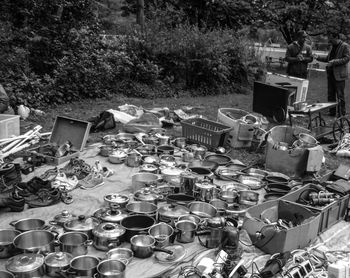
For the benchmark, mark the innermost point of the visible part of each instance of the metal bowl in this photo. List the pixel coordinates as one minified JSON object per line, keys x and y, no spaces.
{"x":252,"y":183}
{"x":123,"y":254}
{"x":203,"y":210}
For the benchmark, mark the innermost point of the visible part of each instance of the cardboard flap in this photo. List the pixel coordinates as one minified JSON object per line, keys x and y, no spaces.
{"x":68,"y":129}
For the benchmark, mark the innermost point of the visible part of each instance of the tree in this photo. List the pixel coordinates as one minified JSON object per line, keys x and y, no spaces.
{"x":314,"y":16}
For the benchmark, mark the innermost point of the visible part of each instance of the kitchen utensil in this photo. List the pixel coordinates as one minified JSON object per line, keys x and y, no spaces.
{"x":111,"y":269}
{"x":203,"y":210}
{"x":82,"y":224}
{"x":108,"y":235}
{"x":143,"y":246}
{"x":26,"y":265}
{"x":185,"y":231}
{"x":162,"y":233}
{"x":123,"y":254}
{"x":7,"y":249}
{"x":142,"y":207}
{"x":75,"y":243}
{"x":136,"y":224}
{"x":36,"y":241}
{"x":57,"y":262}
{"x":28,"y":224}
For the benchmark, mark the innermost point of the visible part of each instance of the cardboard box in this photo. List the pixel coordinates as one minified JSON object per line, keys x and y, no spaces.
{"x":66,"y":129}
{"x":272,"y":240}
{"x":291,"y":162}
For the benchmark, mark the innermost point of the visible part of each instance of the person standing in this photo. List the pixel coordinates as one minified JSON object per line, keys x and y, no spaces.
{"x":337,"y":71}
{"x":298,"y":55}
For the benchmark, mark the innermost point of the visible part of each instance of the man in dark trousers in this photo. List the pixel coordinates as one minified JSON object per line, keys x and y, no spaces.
{"x":337,"y":71}
{"x":298,"y":55}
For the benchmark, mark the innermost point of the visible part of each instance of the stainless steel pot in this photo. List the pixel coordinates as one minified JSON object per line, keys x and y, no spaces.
{"x":165,"y":149}
{"x":149,"y":168}
{"x":110,"y":215}
{"x":147,"y":149}
{"x":143,"y":246}
{"x":26,"y":265}
{"x":229,"y":196}
{"x":169,"y":213}
{"x":116,"y":200}
{"x":107,"y":236}
{"x":141,"y":180}
{"x":144,"y":208}
{"x":171,"y":175}
{"x":75,"y":243}
{"x":162,"y":233}
{"x":185,"y":231}
{"x":220,"y":205}
{"x":117,"y":157}
{"x":203,"y":210}
{"x":133,"y":159}
{"x":7,"y":249}
{"x":180,"y":199}
{"x":56,"y":263}
{"x":201,"y":173}
{"x":28,"y":224}
{"x":137,"y":224}
{"x":205,"y":191}
{"x":167,"y":160}
{"x":148,"y":194}
{"x":82,"y":224}
{"x":62,"y":218}
{"x":180,"y":142}
{"x":123,"y":254}
{"x":36,"y":241}
{"x":111,"y":269}
{"x":85,"y":265}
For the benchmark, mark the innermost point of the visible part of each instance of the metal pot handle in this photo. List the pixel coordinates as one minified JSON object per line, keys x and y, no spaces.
{"x":14,"y":222}
{"x":113,"y":243}
{"x":157,"y":249}
{"x":88,"y":242}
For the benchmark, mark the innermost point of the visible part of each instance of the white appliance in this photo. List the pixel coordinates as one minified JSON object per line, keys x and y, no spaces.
{"x":301,"y":85}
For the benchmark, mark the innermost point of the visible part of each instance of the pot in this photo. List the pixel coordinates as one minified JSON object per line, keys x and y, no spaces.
{"x":82,"y":224}
{"x":62,"y":218}
{"x":5,"y":274}
{"x":162,"y":233}
{"x":236,"y":211}
{"x":133,"y":159}
{"x":203,"y":210}
{"x":252,"y":183}
{"x":180,"y":199}
{"x":107,"y":236}
{"x":147,"y":194}
{"x":210,"y":165}
{"x":163,"y":139}
{"x":190,"y":217}
{"x":26,"y":265}
{"x":187,"y":182}
{"x":187,"y":156}
{"x":172,"y":175}
{"x":7,"y":249}
{"x":185,"y":231}
{"x":117,"y":157}
{"x":167,"y":160}
{"x":123,"y":254}
{"x":149,"y":168}
{"x":229,"y":196}
{"x":28,"y":224}
{"x":147,"y":149}
{"x":165,"y":149}
{"x":106,"y":150}
{"x":248,"y":197}
{"x":202,"y":173}
{"x":198,"y":151}
{"x":136,"y":224}
{"x":220,"y":205}
{"x":85,"y":265}
{"x":141,"y":180}
{"x":205,"y":191}
{"x":116,"y":200}
{"x":169,"y":213}
{"x":143,"y":208}
{"x":110,"y":215}
{"x":180,"y":142}
{"x":57,"y":262}
{"x":111,"y":269}
{"x":36,"y":241}
{"x":307,"y":140}
{"x":143,"y":246}
{"x":220,"y":159}
{"x":227,"y":174}
{"x":75,"y":243}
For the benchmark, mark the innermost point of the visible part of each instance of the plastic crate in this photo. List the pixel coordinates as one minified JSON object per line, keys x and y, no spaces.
{"x":205,"y":132}
{"x":9,"y":126}
{"x":330,"y":214}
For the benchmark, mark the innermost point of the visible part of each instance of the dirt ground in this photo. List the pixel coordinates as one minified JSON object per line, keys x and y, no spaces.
{"x":207,"y":106}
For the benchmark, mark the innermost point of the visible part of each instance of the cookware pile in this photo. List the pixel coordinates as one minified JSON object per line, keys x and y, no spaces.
{"x":181,"y":193}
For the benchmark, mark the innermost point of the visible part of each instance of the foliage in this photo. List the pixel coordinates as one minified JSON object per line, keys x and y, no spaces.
{"x":202,"y":13}
{"x":315,"y":16}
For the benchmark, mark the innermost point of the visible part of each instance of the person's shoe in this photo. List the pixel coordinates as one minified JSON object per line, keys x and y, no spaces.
{"x":93,"y":180}
{"x":33,"y":186}
{"x":45,"y":198}
{"x":12,"y":202}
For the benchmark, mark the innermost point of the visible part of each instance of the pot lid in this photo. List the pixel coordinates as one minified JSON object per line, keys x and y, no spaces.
{"x":81,"y":223}
{"x":116,"y":198}
{"x":109,"y":230}
{"x":204,"y":185}
{"x":147,"y":194}
{"x":110,"y":215}
{"x":171,"y":211}
{"x":63,"y":217}
{"x":179,"y":253}
{"x":58,"y":259}
{"x":118,"y":154}
{"x":24,"y":262}
{"x":171,"y":171}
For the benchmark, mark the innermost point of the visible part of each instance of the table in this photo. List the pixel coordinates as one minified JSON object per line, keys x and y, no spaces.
{"x":88,"y":201}
{"x":316,"y":125}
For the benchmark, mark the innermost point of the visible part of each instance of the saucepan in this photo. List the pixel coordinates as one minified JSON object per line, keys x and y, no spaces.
{"x":110,"y":269}
{"x":28,"y":224}
{"x":143,"y":246}
{"x":7,"y":249}
{"x":122,"y":254}
{"x":85,"y":265}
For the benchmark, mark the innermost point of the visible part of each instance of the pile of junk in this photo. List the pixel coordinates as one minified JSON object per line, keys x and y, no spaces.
{"x":185,"y":191}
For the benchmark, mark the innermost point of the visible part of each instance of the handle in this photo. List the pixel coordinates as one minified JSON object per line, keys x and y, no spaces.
{"x":113,"y":243}
{"x":89,"y":242}
{"x":203,"y":232}
{"x":157,"y":249}
{"x":14,"y":222}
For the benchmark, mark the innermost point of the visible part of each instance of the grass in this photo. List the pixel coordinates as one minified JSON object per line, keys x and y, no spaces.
{"x":208,"y":106}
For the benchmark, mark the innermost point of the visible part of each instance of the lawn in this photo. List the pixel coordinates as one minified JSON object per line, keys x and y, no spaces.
{"x":208,"y":106}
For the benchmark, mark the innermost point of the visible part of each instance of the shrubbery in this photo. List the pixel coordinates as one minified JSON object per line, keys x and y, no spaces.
{"x":85,"y":64}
